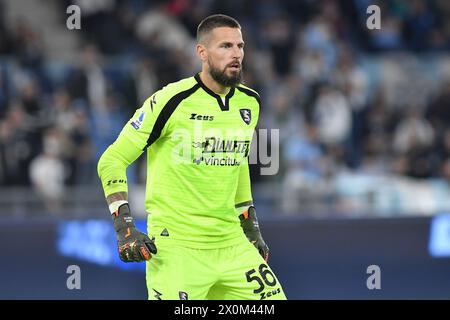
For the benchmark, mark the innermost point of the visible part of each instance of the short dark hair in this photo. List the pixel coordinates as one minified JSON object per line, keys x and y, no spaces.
{"x":215,"y":21}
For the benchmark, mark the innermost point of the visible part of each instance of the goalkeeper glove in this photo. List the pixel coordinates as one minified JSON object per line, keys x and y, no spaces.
{"x":249,"y":224}
{"x":133,"y":245}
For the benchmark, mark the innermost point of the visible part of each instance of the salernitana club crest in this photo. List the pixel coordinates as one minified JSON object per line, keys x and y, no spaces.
{"x":246,"y":115}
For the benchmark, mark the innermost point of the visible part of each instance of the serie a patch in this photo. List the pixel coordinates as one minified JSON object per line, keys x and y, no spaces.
{"x":137,"y":123}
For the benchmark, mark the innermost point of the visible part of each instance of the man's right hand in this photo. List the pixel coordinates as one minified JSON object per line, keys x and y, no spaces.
{"x":133,"y":245}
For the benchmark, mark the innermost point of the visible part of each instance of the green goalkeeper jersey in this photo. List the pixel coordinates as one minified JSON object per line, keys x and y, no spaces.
{"x":198,"y":144}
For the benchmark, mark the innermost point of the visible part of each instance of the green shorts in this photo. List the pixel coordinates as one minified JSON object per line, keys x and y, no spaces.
{"x":237,"y":272}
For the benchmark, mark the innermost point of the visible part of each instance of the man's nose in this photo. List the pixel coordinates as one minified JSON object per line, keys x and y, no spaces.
{"x":237,"y":52}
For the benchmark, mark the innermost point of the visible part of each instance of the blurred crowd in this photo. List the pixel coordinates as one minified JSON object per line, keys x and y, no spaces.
{"x":345,"y":98}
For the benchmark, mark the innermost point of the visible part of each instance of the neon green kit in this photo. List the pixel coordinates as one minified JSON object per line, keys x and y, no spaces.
{"x":197,"y":145}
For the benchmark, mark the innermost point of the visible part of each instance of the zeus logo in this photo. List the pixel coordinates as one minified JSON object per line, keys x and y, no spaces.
{"x":268,"y":294}
{"x":195,"y":116}
{"x":116,"y":181}
{"x":157,"y":294}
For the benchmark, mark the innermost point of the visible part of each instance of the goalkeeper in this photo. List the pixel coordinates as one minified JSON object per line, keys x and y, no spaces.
{"x":203,"y":238}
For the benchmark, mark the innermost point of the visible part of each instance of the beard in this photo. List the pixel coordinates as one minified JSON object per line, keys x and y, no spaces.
{"x":221,"y":77}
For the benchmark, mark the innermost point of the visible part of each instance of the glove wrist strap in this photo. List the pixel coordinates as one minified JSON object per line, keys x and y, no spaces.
{"x":122,"y":218}
{"x":113,"y":207}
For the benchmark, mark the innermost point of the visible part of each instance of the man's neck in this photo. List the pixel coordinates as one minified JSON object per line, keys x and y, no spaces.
{"x":213,"y":84}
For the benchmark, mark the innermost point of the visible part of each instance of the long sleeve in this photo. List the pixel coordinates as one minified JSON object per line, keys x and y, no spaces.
{"x":129,"y":145}
{"x":113,"y":164}
{"x":244,"y":192}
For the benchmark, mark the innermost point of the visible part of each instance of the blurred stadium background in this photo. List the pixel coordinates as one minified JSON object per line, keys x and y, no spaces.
{"x":364,"y":139}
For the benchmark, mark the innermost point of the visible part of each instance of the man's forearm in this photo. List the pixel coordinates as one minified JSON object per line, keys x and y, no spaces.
{"x":117,"y":196}
{"x":115,"y":200}
{"x":113,"y":164}
{"x":250,"y":225}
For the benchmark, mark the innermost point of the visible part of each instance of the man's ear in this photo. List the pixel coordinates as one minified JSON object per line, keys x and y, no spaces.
{"x":201,"y":52}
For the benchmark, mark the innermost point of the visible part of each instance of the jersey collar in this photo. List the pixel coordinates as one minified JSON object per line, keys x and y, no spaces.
{"x":223,"y":106}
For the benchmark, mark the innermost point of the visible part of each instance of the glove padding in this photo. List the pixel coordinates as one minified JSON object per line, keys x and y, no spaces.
{"x":133,"y":245}
{"x":249,"y":224}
